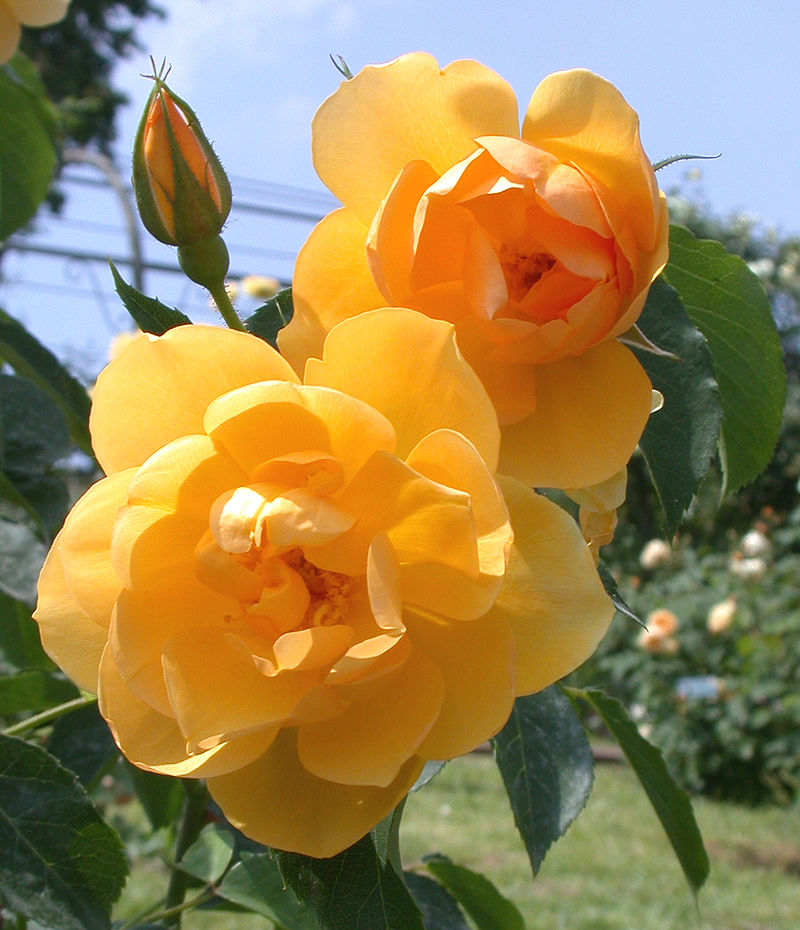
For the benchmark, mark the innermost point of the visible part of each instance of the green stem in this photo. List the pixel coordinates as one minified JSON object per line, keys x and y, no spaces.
{"x":46,"y":716}
{"x":194,"y":809}
{"x":152,"y":917}
{"x":226,"y":308}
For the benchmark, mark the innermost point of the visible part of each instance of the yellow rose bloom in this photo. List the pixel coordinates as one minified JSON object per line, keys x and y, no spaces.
{"x":539,"y":246}
{"x":301,"y":591}
{"x":17,"y":13}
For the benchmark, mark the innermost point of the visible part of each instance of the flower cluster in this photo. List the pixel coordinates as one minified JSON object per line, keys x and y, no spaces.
{"x":302,"y":576}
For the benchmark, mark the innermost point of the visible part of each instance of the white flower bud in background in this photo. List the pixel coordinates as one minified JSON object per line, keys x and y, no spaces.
{"x":763,"y":267}
{"x":655,"y":553}
{"x":256,"y":285}
{"x":755,"y":544}
{"x":721,"y":615}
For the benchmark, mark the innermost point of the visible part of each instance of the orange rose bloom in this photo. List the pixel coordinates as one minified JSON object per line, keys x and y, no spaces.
{"x":301,"y":591}
{"x":538,"y":246}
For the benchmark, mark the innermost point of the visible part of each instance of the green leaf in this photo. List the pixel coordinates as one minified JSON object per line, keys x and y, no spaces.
{"x":21,"y":559}
{"x":355,"y":890}
{"x":29,"y":358}
{"x":209,"y":855}
{"x":82,"y":743}
{"x":670,"y":802}
{"x":547,"y":768}
{"x":161,"y":796}
{"x":488,"y":909}
{"x":27,"y":155}
{"x":440,"y":910}
{"x":20,"y":646}
{"x":386,"y":836}
{"x":256,"y":883}
{"x":269,"y":319}
{"x":149,"y":314}
{"x":429,"y":771}
{"x":727,"y":303}
{"x":33,"y":436}
{"x":612,"y":590}
{"x":34,"y":689}
{"x":680,"y":440}
{"x":60,"y":865}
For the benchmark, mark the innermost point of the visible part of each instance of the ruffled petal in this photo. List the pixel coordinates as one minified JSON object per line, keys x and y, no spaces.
{"x":552,"y":596}
{"x":331,"y":282}
{"x":73,"y":641}
{"x":159,"y":388}
{"x":217,"y":690}
{"x":585,"y":121}
{"x":84,"y":544}
{"x":144,"y":621}
{"x":277,"y":801}
{"x":476,"y":659}
{"x":154,"y":742}
{"x":187,"y":476}
{"x":409,"y":109}
{"x":371,"y":741}
{"x":431,"y":386}
{"x":590,"y":412}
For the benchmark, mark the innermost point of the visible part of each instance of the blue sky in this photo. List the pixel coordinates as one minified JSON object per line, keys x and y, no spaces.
{"x":705,"y":77}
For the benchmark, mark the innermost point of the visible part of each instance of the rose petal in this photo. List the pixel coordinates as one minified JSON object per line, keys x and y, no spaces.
{"x":431,"y":384}
{"x":331,"y":282}
{"x":69,"y":637}
{"x":154,"y":742}
{"x":149,"y":395}
{"x":452,"y":106}
{"x":476,"y":659}
{"x":590,"y":412}
{"x":552,"y":596}
{"x":277,"y":801}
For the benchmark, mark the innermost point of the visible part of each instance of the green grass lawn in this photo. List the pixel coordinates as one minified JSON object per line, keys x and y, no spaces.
{"x":614,"y":869}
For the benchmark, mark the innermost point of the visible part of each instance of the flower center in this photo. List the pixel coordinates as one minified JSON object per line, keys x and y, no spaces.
{"x":254,"y":551}
{"x":523,"y":269}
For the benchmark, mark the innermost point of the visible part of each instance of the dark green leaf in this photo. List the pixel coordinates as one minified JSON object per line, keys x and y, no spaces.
{"x":21,"y":559}
{"x":680,"y":440}
{"x":20,"y":646}
{"x":355,"y":890}
{"x":33,"y":436}
{"x":612,"y":590}
{"x":670,"y":802}
{"x":60,"y":865}
{"x":149,"y":314}
{"x":547,"y":768}
{"x":439,"y":908}
{"x":27,"y":155}
{"x":488,"y":909}
{"x":160,"y":795}
{"x":29,"y":358}
{"x":727,"y":303}
{"x":209,"y":855}
{"x":269,"y":319}
{"x":34,"y":689}
{"x":82,"y":743}
{"x":256,"y":884}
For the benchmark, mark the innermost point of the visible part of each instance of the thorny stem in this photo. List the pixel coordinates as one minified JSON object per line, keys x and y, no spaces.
{"x":226,"y":308}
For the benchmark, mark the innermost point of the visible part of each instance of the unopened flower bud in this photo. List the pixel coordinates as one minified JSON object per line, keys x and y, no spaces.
{"x":181,"y":189}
